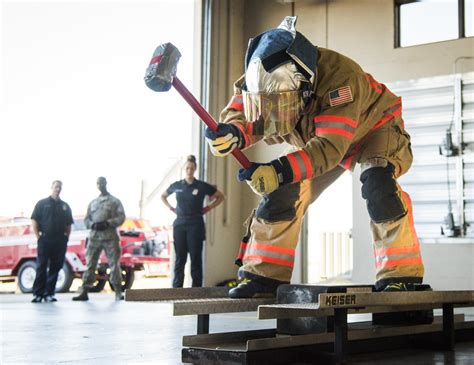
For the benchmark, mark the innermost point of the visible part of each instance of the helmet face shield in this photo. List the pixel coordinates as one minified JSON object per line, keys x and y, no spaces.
{"x":279,"y":74}
{"x":279,"y":111}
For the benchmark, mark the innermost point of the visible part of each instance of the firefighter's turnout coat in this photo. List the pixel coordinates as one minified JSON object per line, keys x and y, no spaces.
{"x":352,"y":119}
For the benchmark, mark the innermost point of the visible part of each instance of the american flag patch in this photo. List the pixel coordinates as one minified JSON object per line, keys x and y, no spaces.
{"x":340,"y":96}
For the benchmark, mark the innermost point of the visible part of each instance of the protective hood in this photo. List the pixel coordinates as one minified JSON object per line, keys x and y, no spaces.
{"x":281,"y":45}
{"x":279,"y":72}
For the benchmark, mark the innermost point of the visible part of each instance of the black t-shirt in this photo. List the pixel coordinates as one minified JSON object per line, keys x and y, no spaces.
{"x":190,"y":199}
{"x":53,"y":217}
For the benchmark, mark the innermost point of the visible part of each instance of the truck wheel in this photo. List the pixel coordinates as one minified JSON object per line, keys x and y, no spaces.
{"x":26,"y":276}
{"x":101,"y":280}
{"x":65,"y":278}
{"x":98,"y":286}
{"x":128,"y":276}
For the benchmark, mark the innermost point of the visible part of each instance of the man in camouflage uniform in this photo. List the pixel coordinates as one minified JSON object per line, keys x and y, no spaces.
{"x":104,"y":215}
{"x":335,"y":115}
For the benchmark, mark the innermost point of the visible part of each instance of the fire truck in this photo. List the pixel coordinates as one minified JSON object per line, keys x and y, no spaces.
{"x":142,"y":247}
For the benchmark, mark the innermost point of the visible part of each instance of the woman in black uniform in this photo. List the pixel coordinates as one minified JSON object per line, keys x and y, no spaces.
{"x":188,"y":228}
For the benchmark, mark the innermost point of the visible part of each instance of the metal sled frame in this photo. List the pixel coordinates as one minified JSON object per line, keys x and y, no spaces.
{"x":257,"y":346}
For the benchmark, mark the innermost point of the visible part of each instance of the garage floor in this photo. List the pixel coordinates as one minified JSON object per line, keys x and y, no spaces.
{"x":103,"y":331}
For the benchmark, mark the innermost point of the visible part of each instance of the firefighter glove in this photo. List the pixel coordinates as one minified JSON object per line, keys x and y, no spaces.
{"x":100,"y":226}
{"x":268,"y":177}
{"x":224,"y":140}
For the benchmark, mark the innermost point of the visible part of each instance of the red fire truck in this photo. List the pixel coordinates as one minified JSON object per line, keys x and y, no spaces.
{"x":141,"y":247}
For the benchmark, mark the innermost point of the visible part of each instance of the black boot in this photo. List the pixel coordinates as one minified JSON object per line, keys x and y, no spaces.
{"x":398,"y":287}
{"x":255,"y":287}
{"x":82,"y":297}
{"x":37,"y":299}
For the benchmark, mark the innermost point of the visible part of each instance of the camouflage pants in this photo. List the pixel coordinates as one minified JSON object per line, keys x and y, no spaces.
{"x":113,"y":252}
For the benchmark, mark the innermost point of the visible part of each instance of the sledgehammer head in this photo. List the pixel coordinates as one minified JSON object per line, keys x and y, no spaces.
{"x":162,"y":68}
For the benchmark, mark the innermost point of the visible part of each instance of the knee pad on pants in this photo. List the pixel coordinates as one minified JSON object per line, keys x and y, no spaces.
{"x":379,"y":189}
{"x":279,"y":205}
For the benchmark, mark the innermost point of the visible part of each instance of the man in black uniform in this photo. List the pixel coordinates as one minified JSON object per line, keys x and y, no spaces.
{"x":51,"y":221}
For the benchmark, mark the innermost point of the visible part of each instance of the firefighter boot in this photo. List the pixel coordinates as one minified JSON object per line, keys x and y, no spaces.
{"x":82,"y":297}
{"x":255,"y":287}
{"x":398,"y":287}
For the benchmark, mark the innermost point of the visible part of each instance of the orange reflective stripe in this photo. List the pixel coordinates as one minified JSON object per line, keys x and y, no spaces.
{"x":393,"y":111}
{"x":236,"y":103}
{"x":301,"y":165}
{"x":407,"y":200}
{"x":307,"y":163}
{"x":374,"y":84}
{"x":243,"y":248}
{"x":335,"y":119}
{"x":337,"y":131}
{"x":242,"y":130}
{"x":295,"y":167}
{"x":272,"y":248}
{"x":270,"y":260}
{"x":396,"y":250}
{"x":408,"y":261}
{"x":346,"y":162}
{"x":249,"y":128}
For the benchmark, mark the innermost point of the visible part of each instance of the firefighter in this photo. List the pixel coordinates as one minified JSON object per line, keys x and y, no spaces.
{"x":104,"y":215}
{"x":334,"y":115}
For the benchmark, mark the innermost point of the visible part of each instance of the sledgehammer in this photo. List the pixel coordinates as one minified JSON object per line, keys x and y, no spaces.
{"x":161,"y":74}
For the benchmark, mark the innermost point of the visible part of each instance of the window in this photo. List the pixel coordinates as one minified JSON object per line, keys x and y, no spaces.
{"x":468,"y":15}
{"x":427,"y":21}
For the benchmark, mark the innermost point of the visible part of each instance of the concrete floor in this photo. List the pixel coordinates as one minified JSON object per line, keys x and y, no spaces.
{"x":100,"y":331}
{"x":103,"y":331}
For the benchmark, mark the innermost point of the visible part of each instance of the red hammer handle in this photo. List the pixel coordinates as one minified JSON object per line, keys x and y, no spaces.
{"x":206,"y":118}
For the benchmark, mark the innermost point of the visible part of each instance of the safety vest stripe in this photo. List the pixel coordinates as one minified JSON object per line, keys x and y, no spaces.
{"x":335,"y":118}
{"x":301,"y":165}
{"x":340,"y":132}
{"x":270,"y":260}
{"x":396,"y":250}
{"x":406,"y":261}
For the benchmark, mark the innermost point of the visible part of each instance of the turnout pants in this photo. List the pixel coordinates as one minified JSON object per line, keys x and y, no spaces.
{"x":113,"y":251}
{"x":272,"y":230}
{"x":50,"y":260}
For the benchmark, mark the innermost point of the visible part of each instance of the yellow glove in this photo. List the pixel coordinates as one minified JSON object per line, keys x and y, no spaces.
{"x":224,"y":140}
{"x":266,"y":178}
